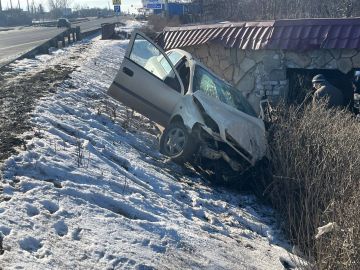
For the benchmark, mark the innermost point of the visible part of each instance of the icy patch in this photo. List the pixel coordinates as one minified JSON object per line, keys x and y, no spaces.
{"x":5,"y":230}
{"x":30,"y":244}
{"x":61,"y":228}
{"x":32,"y":210}
{"x":50,"y":206}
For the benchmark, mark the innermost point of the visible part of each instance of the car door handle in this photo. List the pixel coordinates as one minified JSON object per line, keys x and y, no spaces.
{"x":128,"y":71}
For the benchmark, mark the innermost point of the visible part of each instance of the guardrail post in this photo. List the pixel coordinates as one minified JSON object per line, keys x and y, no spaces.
{"x":62,"y":39}
{"x":73,"y":34}
{"x":52,"y":42}
{"x":44,"y":49}
{"x":58,"y":39}
{"x":68,"y":36}
{"x":78,"y":33}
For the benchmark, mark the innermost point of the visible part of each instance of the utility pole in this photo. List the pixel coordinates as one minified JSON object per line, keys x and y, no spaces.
{"x":166,"y":8}
{"x":201,"y":6}
{"x":28,"y":6}
{"x":11,"y":7}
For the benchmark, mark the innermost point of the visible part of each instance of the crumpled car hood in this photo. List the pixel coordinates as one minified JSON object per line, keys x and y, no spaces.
{"x":247,"y":131}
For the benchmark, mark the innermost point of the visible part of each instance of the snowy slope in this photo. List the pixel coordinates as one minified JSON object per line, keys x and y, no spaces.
{"x":91,"y":190}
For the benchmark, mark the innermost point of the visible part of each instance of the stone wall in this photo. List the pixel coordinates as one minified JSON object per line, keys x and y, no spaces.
{"x":256,"y":72}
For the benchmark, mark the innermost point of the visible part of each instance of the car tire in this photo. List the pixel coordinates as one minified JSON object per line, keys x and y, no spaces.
{"x":177,"y":143}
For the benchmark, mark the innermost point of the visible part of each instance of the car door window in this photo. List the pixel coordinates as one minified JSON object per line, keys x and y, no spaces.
{"x":146,"y":55}
{"x":175,"y":57}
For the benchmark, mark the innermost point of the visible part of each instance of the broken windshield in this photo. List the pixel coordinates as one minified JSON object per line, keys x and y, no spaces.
{"x":214,"y":87}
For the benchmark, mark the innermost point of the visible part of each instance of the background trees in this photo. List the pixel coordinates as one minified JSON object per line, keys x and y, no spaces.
{"x":242,"y":10}
{"x":58,"y":7}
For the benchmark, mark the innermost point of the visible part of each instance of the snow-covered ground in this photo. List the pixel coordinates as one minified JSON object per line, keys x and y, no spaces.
{"x":91,"y":190}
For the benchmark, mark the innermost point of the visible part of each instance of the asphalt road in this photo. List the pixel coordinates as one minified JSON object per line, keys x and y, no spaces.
{"x":16,"y":42}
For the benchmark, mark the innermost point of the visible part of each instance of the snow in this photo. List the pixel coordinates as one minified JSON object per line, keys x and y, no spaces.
{"x":91,"y":190}
{"x":331,"y":226}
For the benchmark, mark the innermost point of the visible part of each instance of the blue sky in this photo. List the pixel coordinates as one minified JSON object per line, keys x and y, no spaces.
{"x":90,"y":3}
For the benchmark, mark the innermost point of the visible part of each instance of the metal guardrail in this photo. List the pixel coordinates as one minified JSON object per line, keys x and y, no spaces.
{"x":68,"y":36}
{"x":54,"y":23}
{"x":46,"y":24}
{"x":5,"y":29}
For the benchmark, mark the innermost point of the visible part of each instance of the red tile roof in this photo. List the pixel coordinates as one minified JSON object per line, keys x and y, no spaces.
{"x":300,"y":34}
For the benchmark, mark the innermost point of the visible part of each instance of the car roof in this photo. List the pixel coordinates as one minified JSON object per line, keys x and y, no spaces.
{"x":198,"y":62}
{"x":182,"y":52}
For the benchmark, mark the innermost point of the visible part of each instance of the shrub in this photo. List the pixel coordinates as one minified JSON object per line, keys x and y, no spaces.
{"x":315,"y":156}
{"x":158,"y":23}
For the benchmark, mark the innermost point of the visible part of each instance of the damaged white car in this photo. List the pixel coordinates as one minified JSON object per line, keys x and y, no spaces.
{"x":204,"y":116}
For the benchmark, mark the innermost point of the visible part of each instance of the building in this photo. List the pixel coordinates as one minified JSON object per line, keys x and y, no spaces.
{"x":274,"y":58}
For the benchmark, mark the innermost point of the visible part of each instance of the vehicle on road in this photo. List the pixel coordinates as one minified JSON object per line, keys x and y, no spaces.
{"x":100,"y":15}
{"x":140,"y":17}
{"x":205,"y":118}
{"x":63,"y":22}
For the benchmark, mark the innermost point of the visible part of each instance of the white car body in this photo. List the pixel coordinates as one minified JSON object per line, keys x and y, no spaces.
{"x":162,"y":87}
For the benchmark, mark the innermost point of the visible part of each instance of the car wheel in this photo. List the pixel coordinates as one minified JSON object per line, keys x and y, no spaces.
{"x":177,"y":143}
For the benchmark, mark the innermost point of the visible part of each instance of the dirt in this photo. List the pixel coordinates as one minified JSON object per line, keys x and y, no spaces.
{"x":19,"y":93}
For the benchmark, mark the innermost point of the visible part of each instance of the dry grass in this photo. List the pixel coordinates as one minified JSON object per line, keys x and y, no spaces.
{"x":316,"y":167}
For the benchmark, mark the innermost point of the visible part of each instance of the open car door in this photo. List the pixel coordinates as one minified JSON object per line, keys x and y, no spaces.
{"x":147,"y":80}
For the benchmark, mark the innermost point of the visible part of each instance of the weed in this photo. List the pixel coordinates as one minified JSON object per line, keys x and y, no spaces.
{"x":79,"y":152}
{"x":128,"y":118}
{"x":316,"y":181}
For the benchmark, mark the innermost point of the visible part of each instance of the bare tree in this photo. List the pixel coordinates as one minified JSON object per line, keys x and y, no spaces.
{"x":65,"y":3}
{"x":238,"y":10}
{"x":54,"y":4}
{"x":58,"y":7}
{"x":32,"y":7}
